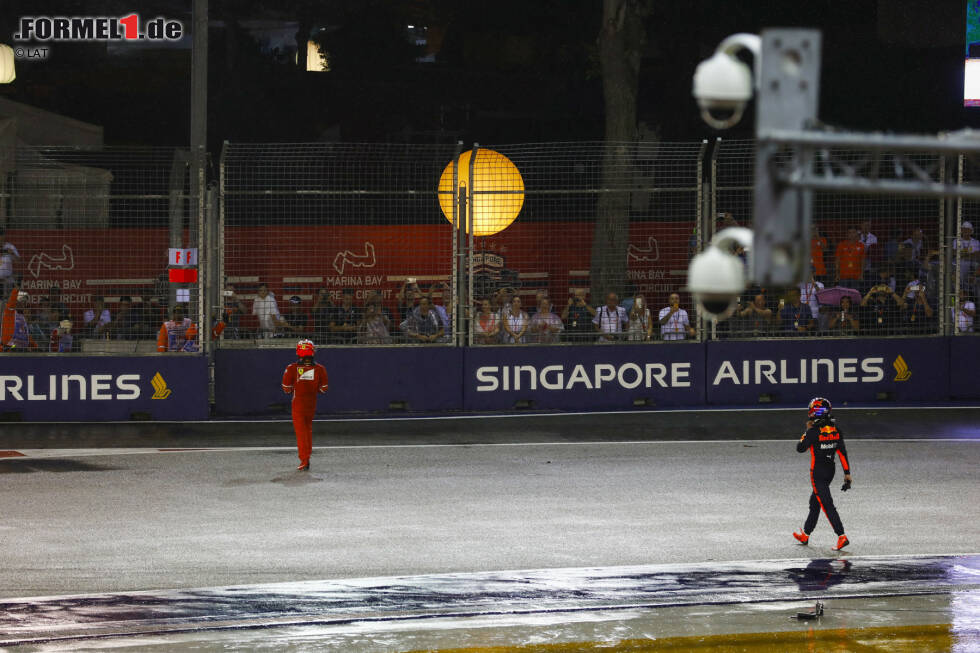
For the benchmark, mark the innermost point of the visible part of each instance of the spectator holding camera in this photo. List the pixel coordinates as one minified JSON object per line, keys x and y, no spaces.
{"x":515,"y":324}
{"x":796,"y":316}
{"x":757,"y":318}
{"x":486,"y":326}
{"x":611,"y":320}
{"x":881,"y":310}
{"x":577,"y":316}
{"x":845,"y":322}
{"x":917,"y":315}
{"x":641,"y":322}
{"x":408,"y":298}
{"x":374,"y":328}
{"x":545,"y":326}
{"x":61,"y":340}
{"x":674,"y":321}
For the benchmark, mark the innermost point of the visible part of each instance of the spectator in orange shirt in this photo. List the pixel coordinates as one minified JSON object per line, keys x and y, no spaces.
{"x":178,"y":334}
{"x":818,"y":245}
{"x":849,"y":260}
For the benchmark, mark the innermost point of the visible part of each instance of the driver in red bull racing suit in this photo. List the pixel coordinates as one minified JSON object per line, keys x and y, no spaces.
{"x":824,"y":441}
{"x":304,"y":380}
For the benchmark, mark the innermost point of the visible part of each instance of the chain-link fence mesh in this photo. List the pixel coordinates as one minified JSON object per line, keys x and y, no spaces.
{"x":601,"y":245}
{"x":875,"y":259}
{"x":341,"y":243}
{"x":355,"y":244}
{"x":86,"y":238}
{"x":963,"y":250}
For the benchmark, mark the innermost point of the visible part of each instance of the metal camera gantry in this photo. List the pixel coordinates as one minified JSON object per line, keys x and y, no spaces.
{"x":796,"y":155}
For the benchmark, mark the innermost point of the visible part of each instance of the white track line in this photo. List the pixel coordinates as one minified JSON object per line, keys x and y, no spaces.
{"x":525,"y":415}
{"x":122,"y":451}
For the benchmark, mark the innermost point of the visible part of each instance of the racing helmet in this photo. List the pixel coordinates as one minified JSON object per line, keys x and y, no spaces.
{"x":304,"y":348}
{"x":819,"y":407}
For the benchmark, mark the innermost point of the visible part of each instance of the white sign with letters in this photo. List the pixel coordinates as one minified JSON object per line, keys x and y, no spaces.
{"x":183,"y":256}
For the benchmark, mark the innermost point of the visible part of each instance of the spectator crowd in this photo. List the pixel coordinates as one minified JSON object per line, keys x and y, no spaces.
{"x":861,"y":286}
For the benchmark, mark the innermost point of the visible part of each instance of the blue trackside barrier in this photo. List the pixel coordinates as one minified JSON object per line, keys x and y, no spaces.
{"x":601,"y":377}
{"x":363,"y":379}
{"x":436,"y":379}
{"x":903,"y":370}
{"x":964,"y":367}
{"x":97,"y":388}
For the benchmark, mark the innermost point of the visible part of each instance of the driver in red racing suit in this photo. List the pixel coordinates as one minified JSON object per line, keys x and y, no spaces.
{"x":824,"y":441}
{"x":304,"y":380}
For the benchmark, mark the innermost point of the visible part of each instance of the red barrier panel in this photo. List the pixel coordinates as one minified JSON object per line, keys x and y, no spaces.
{"x":548,"y":255}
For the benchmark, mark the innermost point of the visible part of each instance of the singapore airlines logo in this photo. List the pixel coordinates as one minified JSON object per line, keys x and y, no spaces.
{"x":902,"y":371}
{"x":650,"y":253}
{"x":160,"y":389}
{"x":44,"y":261}
{"x":347,"y":257}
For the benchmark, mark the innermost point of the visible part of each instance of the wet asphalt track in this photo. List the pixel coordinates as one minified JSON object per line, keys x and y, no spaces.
{"x":407,"y":497}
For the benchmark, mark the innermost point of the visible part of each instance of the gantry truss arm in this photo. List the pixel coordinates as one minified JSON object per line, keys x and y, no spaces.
{"x":868,"y":163}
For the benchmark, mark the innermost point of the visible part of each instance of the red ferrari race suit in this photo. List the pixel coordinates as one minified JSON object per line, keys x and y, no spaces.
{"x":304,"y":380}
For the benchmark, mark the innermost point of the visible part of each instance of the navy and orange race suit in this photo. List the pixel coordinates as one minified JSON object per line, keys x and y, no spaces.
{"x":304,"y":380}
{"x":824,"y":441}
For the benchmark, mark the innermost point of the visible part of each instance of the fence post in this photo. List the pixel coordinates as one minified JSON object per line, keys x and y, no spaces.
{"x":469,"y":217}
{"x":459,"y":202}
{"x":178,"y":169}
{"x":699,"y":221}
{"x":955,"y":258}
{"x":709,"y":227}
{"x":219,"y":236}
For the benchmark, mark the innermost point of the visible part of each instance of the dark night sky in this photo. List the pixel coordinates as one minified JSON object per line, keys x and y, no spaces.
{"x":507,"y":71}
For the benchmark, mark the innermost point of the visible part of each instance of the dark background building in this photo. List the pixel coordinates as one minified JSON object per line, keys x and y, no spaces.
{"x":494,"y":72}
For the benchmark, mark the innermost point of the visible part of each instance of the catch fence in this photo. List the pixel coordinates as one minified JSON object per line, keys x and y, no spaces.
{"x":453,"y":245}
{"x":877,"y":261}
{"x":85,"y":237}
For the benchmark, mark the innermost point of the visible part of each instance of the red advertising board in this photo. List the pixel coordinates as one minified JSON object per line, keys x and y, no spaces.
{"x":299,"y":259}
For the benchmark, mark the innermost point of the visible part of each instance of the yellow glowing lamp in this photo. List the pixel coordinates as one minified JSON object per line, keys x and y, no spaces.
{"x":7,"y":73}
{"x":497,"y":194}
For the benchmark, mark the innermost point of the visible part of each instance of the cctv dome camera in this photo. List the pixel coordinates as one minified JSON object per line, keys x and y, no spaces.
{"x":716,"y":277}
{"x":723,"y":84}
{"x":722,"y":87}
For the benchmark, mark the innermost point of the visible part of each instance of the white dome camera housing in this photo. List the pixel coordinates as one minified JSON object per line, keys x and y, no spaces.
{"x":716,"y":277}
{"x":723,"y":84}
